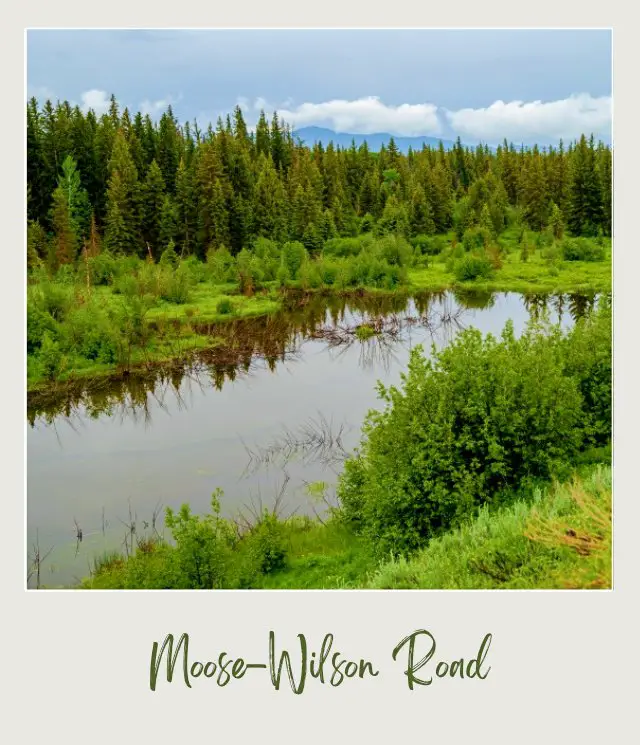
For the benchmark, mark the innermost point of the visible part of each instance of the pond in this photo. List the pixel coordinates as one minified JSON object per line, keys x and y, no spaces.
{"x":268,"y":411}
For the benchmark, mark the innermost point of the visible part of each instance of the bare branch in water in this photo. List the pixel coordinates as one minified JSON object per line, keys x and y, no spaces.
{"x":317,"y":440}
{"x":37,"y":559}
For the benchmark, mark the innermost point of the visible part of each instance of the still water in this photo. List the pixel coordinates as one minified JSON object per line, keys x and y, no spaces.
{"x":271,"y":409}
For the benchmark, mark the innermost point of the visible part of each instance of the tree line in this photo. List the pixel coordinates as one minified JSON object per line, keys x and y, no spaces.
{"x":132,"y":186}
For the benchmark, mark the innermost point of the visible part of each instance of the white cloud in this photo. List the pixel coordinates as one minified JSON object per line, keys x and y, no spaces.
{"x":534,"y":121}
{"x":41,"y":94}
{"x":96,"y":100}
{"x":364,"y":116}
{"x":156,"y":108}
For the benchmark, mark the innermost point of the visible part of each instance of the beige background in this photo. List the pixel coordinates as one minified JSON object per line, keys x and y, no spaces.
{"x":564,"y":665}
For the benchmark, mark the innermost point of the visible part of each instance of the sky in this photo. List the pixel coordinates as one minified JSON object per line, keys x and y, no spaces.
{"x":483,"y":85}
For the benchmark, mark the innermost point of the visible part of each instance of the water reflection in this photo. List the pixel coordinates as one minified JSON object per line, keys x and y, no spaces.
{"x":241,"y":347}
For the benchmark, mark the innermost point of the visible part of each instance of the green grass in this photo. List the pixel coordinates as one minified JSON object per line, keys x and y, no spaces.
{"x":321,"y":557}
{"x":561,"y":539}
{"x":204,"y":302}
{"x":533,"y":276}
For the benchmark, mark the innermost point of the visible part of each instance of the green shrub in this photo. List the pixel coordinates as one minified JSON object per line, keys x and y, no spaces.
{"x":169,"y":257}
{"x":89,"y":334}
{"x":50,"y":357}
{"x":581,"y":249}
{"x":430,"y":245}
{"x":483,"y":417}
{"x":103,"y":269}
{"x":476,"y":238}
{"x":202,"y":544}
{"x":393,"y":250}
{"x":177,"y":286}
{"x":55,"y":299}
{"x":268,"y":254}
{"x":470,"y":268}
{"x":221,"y":265}
{"x":367,"y":223}
{"x":264,"y":548}
{"x":196,"y":270}
{"x":39,"y":322}
{"x":225,"y":306}
{"x":343,"y":247}
{"x":127,"y":285}
{"x":293,"y":256}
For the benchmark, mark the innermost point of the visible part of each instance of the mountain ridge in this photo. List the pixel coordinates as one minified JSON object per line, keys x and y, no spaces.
{"x":311,"y":135}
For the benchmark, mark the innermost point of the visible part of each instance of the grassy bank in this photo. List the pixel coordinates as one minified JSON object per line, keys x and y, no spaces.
{"x":110,"y":315}
{"x":560,"y":537}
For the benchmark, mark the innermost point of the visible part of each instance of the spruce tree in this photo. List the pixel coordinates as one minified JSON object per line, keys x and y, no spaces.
{"x":420,"y":214}
{"x":65,"y":247}
{"x":153,"y":200}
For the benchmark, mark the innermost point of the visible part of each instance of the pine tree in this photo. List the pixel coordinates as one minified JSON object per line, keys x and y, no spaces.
{"x":65,"y":236}
{"x":535,"y":197}
{"x":153,"y":200}
{"x":186,"y":210}
{"x":556,"y":222}
{"x":584,"y":214}
{"x":168,"y":224}
{"x":263,"y":140}
{"x":76,"y":196}
{"x":122,"y":224}
{"x":269,"y":205}
{"x":420,"y":214}
{"x":168,"y":149}
{"x":394,"y":218}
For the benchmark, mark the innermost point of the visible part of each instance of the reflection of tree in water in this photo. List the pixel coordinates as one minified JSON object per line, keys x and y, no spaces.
{"x":578,"y":305}
{"x":475,"y":299}
{"x":536,"y":305}
{"x":239,"y":347}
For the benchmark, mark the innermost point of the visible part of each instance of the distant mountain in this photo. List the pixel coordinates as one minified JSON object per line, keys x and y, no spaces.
{"x":311,"y":135}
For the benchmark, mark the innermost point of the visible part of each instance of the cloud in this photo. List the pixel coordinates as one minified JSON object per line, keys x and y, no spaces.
{"x":96,"y":100}
{"x":535,"y":121}
{"x":363,"y":115}
{"x":40,"y":93}
{"x":156,"y":108}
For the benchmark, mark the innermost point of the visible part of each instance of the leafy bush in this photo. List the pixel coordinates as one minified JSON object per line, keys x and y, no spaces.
{"x":177,"y":286}
{"x":293,"y":256}
{"x":268,"y":254}
{"x":430,"y":245}
{"x":476,"y":238}
{"x":127,"y":285}
{"x":225,"y":306}
{"x":221,"y":265}
{"x":169,"y":257}
{"x":393,"y":250}
{"x":264,"y":548}
{"x":470,"y":268}
{"x":196,"y":270}
{"x":89,"y":334}
{"x":343,"y":247}
{"x":481,"y":418}
{"x":202,"y":544}
{"x":50,"y":357}
{"x":103,"y":268}
{"x":581,"y":249}
{"x":39,"y":322}
{"x":54,"y":299}
{"x":249,"y":271}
